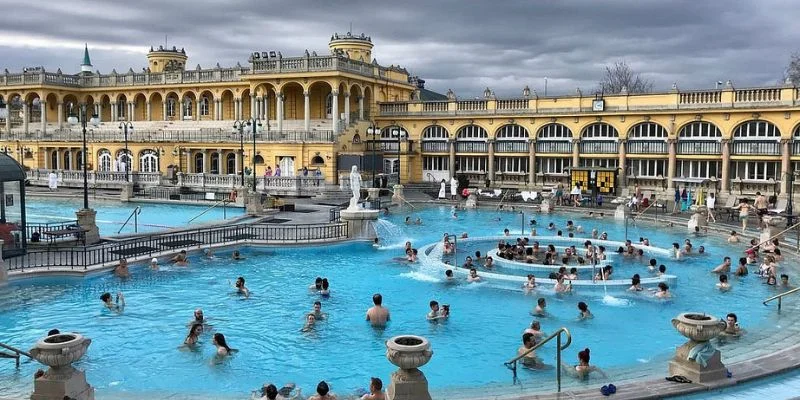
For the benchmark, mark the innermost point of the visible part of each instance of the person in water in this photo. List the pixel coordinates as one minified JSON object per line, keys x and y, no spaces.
{"x":154,"y":264}
{"x":317,"y":311}
{"x":536,"y":330}
{"x":194,"y":335}
{"x":122,"y":269}
{"x":378,"y":315}
{"x":221,"y":345}
{"x":241,"y":288}
{"x":317,"y":286}
{"x":584,"y":312}
{"x":180,"y":259}
{"x":473,"y":276}
{"x":723,"y":284}
{"x":375,"y":390}
{"x":117,"y":305}
{"x":583,"y":368}
{"x":323,"y":392}
{"x":236,"y":255}
{"x":663,"y":291}
{"x":540,"y":311}
{"x":529,"y":358}
{"x":325,"y":291}
{"x":311,"y":320}
{"x":636,"y":284}
{"x":732,"y":325}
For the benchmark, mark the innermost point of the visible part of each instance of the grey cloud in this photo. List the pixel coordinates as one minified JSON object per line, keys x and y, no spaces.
{"x":464,"y":45}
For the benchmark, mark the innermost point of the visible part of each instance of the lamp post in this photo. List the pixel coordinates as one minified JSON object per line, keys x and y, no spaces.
{"x":789,"y":206}
{"x":126,"y":126}
{"x":73,"y":120}
{"x":373,"y":130}
{"x":400,"y":132}
{"x":239,"y":125}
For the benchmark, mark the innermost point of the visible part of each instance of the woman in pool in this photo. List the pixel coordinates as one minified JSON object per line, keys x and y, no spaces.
{"x":584,"y":312}
{"x":531,"y":283}
{"x":122,"y":269}
{"x":154,"y":264}
{"x":583,"y":368}
{"x":560,"y":287}
{"x":241,"y":288}
{"x":663,"y":291}
{"x":676,"y":251}
{"x":723,"y":284}
{"x":117,"y":306}
{"x":326,"y":291}
{"x":221,"y":345}
{"x":604,"y":274}
{"x":194,"y":335}
{"x":310,"y":322}
{"x":636,"y":284}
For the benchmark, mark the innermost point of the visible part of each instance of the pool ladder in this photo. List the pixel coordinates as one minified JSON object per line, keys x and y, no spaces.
{"x":224,"y":203}
{"x":512,"y":364}
{"x":779,"y":297}
{"x":135,"y":216}
{"x":15,"y":355}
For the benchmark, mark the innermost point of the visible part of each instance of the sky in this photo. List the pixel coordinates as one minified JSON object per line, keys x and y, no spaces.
{"x":463,"y":45}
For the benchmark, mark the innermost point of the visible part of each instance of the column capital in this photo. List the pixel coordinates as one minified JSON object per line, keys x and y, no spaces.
{"x":335,"y":92}
{"x":306,"y":93}
{"x":280,"y":95}
{"x":346,"y":95}
{"x":359,"y":97}
{"x":60,"y":103}
{"x":252,"y":95}
{"x":785,"y":141}
{"x":41,"y":101}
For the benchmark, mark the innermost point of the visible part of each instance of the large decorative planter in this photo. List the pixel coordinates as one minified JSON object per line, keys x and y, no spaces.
{"x":408,"y":352}
{"x":61,"y":379}
{"x":699,"y":328}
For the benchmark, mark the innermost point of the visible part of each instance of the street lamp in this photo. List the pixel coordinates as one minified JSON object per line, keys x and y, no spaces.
{"x":73,"y":120}
{"x":789,"y":206}
{"x":400,"y":132}
{"x":373,"y":130}
{"x":239,"y":125}
{"x":126,"y":127}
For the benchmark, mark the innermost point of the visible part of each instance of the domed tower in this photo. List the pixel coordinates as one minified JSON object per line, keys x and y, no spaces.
{"x":354,"y":47}
{"x":166,"y":60}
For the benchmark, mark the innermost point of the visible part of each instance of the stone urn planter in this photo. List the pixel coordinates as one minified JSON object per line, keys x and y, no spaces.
{"x":408,"y":352}
{"x":698,"y":327}
{"x":61,"y":379}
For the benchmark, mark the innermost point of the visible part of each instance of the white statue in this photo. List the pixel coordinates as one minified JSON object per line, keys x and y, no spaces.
{"x":355,"y":186}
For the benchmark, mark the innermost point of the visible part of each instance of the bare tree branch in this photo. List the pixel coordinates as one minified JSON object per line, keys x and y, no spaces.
{"x":793,"y":69}
{"x":619,"y":76}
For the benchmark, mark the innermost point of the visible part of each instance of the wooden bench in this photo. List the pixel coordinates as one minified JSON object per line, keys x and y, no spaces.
{"x":79,"y":233}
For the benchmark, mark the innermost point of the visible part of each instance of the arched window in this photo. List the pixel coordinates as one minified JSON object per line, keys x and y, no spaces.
{"x":54,"y":160}
{"x":230,"y":163}
{"x":67,"y":161}
{"x":259,"y":160}
{"x":215,"y":163}
{"x":647,"y":130}
{"x":599,"y":131}
{"x":434,"y":139}
{"x":317,"y":160}
{"x":198,"y":163}
{"x":204,"y":106}
{"x":511,"y":138}
{"x":471,"y":139}
{"x":699,"y":137}
{"x":512,"y":132}
{"x":554,"y":138}
{"x":599,"y":138}
{"x":104,"y":160}
{"x":647,"y":138}
{"x":148,"y":161}
{"x":123,"y":161}
{"x":756,"y":130}
{"x":122,"y":107}
{"x":187,"y":108}
{"x":356,"y":139}
{"x":171,"y":107}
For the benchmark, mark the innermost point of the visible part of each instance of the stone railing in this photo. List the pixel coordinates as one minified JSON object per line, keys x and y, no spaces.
{"x":471,"y":105}
{"x":646,"y":147}
{"x":598,"y":147}
{"x":756,"y":95}
{"x":554,"y":147}
{"x":40,"y":176}
{"x":471,"y":147}
{"x":128,"y":79}
{"x":755,"y":148}
{"x":435,"y":147}
{"x":518,"y":146}
{"x":317,"y":64}
{"x":702,"y":97}
{"x":204,"y":135}
{"x":512,"y":104}
{"x":699,"y":147}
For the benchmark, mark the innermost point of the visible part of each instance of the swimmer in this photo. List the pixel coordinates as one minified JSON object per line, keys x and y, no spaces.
{"x":411,"y":256}
{"x":209,"y":254}
{"x":529,"y":358}
{"x":662,"y":270}
{"x":583,"y":369}
{"x":378,"y":315}
{"x":434,"y":314}
{"x":506,"y":232}
{"x":325,"y":291}
{"x":732,"y":325}
{"x":468,"y":262}
{"x":676,"y":250}
{"x":540,"y":310}
{"x":473,"y":276}
{"x":530,"y":284}
{"x":198,"y":318}
{"x":551,"y":227}
{"x":771,"y":280}
{"x":317,"y":311}
{"x":194,"y":335}
{"x":236,"y":255}
{"x":663,"y":291}
{"x":418,"y":221}
{"x":560,"y":287}
{"x":723,"y":284}
{"x":241,"y":288}
{"x":408,"y":221}
{"x":535,"y":330}
{"x":117,"y":306}
{"x":317,"y":286}
{"x":154,"y":264}
{"x":723,"y":268}
{"x":700,"y":250}
{"x":573,"y":272}
{"x":448,"y":276}
{"x":122,"y":269}
{"x":785,"y":281}
{"x":595,"y":234}
{"x":376,"y":243}
{"x":733,"y":238}
{"x":741,"y":270}
{"x":464,"y":235}
{"x":310,"y":321}
{"x":652,"y":265}
{"x":603,"y":236}
{"x":180,"y":259}
{"x":221,"y":345}
{"x":489,"y":264}
{"x":584,"y":312}
{"x":636,"y":284}
{"x":375,"y":390}
{"x":323,"y":392}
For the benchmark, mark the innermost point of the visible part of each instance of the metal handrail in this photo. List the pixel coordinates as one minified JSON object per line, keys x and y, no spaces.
{"x":403,"y":198}
{"x":512,"y":364}
{"x":135,"y":216}
{"x":16,"y":351}
{"x":780,"y":296}
{"x":223,"y":202}
{"x":775,"y":235}
{"x":501,"y":202}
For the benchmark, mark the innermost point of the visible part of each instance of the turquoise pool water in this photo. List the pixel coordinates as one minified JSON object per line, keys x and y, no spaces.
{"x":138,"y":350}
{"x":112,"y":214}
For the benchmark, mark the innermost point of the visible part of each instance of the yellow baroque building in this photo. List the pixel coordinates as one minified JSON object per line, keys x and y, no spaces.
{"x":316,"y":112}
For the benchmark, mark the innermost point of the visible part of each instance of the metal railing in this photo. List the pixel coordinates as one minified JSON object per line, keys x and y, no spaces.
{"x":224,"y":203}
{"x":16,"y":354}
{"x":42,"y":227}
{"x":699,"y":147}
{"x":82,"y":257}
{"x":512,"y":364}
{"x":135,"y":216}
{"x":202,"y":135}
{"x":780,"y":296}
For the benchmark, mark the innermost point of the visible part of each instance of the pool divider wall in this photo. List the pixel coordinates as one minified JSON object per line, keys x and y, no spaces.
{"x":3,"y":268}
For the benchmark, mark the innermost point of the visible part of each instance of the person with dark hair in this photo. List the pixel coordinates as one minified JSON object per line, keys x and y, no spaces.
{"x":731,"y":325}
{"x":317,"y":286}
{"x":117,"y":306}
{"x":122,"y":270}
{"x":241,"y":288}
{"x":529,"y":358}
{"x":583,"y":308}
{"x":221,"y":345}
{"x":194,"y":335}
{"x":636,"y":284}
{"x":378,"y":315}
{"x":723,"y":284}
{"x":539,"y":311}
{"x":53,"y":332}
{"x":663,"y":291}
{"x":375,"y":390}
{"x":317,"y":311}
{"x":583,"y":368}
{"x":325,"y":291}
{"x":723,"y":268}
{"x":323,"y":392}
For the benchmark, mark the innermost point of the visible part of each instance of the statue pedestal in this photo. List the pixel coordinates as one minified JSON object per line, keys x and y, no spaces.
{"x":773,"y":225}
{"x":126,"y":193}
{"x":72,"y":384}
{"x":253,"y":204}
{"x":545,"y":207}
{"x":408,"y":353}
{"x":699,"y":217}
{"x":241,"y":197}
{"x":472,"y":201}
{"x":86,"y":220}
{"x":61,"y":380}
{"x":373,"y":193}
{"x":359,"y":222}
{"x":619,"y":213}
{"x":680,"y":365}
{"x":398,"y":198}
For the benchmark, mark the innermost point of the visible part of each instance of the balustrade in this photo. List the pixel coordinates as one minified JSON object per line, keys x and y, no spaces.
{"x":554,"y":147}
{"x":646,"y":147}
{"x":756,"y":148}
{"x":756,"y":95}
{"x":512,"y":104}
{"x":699,"y":147}
{"x":599,"y":147}
{"x":471,"y":105}
{"x":471,"y":147}
{"x":511,"y":146}
{"x":705,"y":97}
{"x":435,"y":147}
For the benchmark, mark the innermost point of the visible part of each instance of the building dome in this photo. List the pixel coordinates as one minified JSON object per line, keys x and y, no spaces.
{"x":354,"y":47}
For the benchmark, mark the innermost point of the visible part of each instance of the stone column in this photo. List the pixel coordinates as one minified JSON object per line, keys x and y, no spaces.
{"x":148,"y":112}
{"x":60,"y":115}
{"x":206,"y":164}
{"x":335,"y":110}
{"x":58,"y":159}
{"x":490,"y":166}
{"x":671,"y":164}
{"x":198,"y":110}
{"x":307,"y":111}
{"x":164,"y":110}
{"x":219,"y":162}
{"x":726,"y":166}
{"x":452,"y":157}
{"x":266,"y":112}
{"x":621,"y":164}
{"x":238,"y":161}
{"x":217,"y":110}
{"x":532,"y":162}
{"x":361,"y":108}
{"x":25,"y":117}
{"x":253,"y":105}
{"x":8,"y":125}
{"x":113,"y":111}
{"x":131,"y":112}
{"x":98,"y":108}
{"x":786,"y":167}
{"x":347,"y":109}
{"x":43,"y":109}
{"x":576,"y":158}
{"x":280,"y":112}
{"x":71,"y":165}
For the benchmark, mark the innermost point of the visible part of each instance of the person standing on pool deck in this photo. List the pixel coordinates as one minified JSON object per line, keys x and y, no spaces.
{"x":761,"y":208}
{"x":453,"y":188}
{"x":378,"y":315}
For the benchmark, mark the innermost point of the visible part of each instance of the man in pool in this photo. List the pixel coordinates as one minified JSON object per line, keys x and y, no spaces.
{"x":317,"y":311}
{"x":237,"y":255}
{"x":468,"y":262}
{"x":448,"y":276}
{"x":539,"y":311}
{"x":122,"y":269}
{"x":180,"y":259}
{"x":785,"y":281}
{"x":434,"y":313}
{"x":473,"y":276}
{"x":378,"y":315}
{"x":723,"y":268}
{"x":529,"y":358}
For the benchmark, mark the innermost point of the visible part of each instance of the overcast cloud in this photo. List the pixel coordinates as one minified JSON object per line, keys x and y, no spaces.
{"x":465,"y":45}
